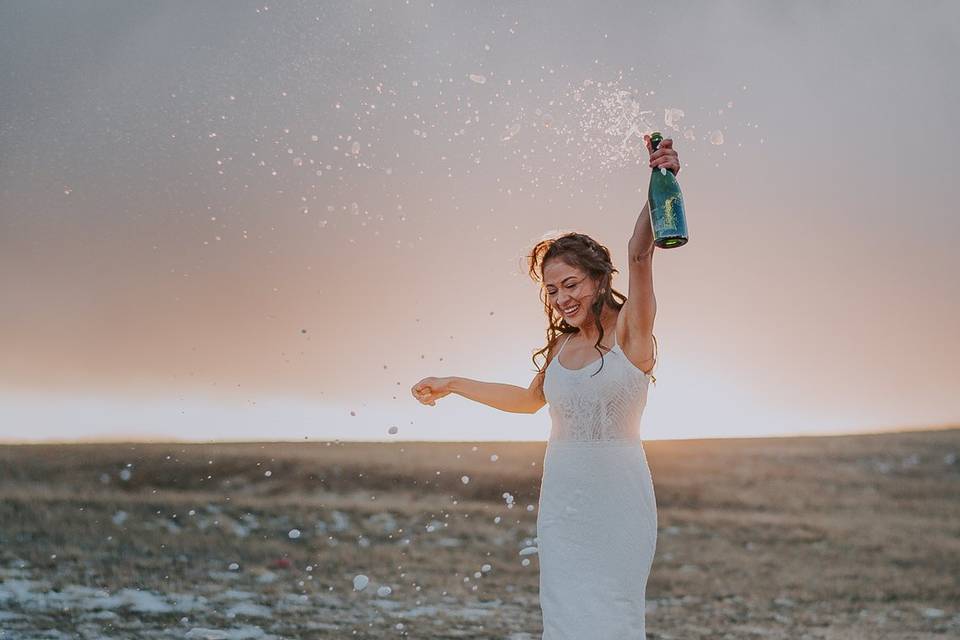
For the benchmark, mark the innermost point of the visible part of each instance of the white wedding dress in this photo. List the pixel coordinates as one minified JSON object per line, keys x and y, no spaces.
{"x":597,"y":520}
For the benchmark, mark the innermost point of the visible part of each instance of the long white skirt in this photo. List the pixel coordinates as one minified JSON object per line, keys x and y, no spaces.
{"x":597,"y":531}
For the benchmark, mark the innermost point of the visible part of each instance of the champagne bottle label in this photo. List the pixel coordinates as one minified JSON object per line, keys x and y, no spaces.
{"x":665,"y":214}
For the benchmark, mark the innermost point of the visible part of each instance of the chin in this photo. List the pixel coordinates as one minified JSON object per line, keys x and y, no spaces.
{"x":574,"y":321}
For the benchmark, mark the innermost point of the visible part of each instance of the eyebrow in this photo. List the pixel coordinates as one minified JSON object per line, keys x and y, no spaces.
{"x":561,"y":282}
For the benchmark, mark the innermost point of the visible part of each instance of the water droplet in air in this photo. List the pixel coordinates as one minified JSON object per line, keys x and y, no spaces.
{"x":672,"y":117}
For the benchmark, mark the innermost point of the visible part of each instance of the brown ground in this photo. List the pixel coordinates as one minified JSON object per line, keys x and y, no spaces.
{"x":821,"y":537}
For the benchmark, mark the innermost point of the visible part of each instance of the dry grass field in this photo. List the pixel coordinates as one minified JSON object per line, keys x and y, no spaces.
{"x":802,"y":538}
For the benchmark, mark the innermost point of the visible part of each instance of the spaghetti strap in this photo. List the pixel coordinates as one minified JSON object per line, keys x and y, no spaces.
{"x":565,"y":340}
{"x":655,"y":359}
{"x":556,"y":356}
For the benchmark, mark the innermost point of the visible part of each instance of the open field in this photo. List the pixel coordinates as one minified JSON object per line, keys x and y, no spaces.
{"x":820,"y":537}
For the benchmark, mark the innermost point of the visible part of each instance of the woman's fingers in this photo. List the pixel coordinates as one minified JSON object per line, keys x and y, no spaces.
{"x":421,"y":392}
{"x":424,"y":394}
{"x":659,"y":153}
{"x":666,"y":143}
{"x":664,"y":156}
{"x":663,"y":153}
{"x":667,"y":159}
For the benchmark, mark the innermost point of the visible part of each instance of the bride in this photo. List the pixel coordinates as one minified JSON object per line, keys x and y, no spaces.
{"x":597,"y":517}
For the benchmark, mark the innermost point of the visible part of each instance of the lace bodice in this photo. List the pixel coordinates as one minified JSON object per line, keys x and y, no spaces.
{"x":606,"y":406}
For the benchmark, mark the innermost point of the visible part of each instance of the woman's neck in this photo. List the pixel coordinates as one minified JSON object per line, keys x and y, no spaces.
{"x":588,"y":331}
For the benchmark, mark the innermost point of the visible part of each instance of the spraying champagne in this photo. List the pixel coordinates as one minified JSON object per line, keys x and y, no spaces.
{"x":666,"y":205}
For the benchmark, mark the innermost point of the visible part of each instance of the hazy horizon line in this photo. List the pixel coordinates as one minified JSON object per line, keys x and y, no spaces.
{"x":108,"y":440}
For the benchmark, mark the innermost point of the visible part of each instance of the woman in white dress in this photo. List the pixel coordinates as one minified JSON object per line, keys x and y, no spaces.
{"x":597,"y":518}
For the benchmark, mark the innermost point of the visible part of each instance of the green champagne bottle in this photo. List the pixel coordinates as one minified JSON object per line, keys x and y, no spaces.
{"x":666,"y":205}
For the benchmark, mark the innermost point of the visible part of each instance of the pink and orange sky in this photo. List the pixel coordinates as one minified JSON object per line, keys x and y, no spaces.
{"x":249,"y":224}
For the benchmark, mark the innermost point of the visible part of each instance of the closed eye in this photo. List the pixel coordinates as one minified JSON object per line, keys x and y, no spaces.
{"x":569,"y":286}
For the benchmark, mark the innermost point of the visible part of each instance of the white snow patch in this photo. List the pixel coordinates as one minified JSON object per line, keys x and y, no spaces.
{"x":241,"y":633}
{"x":249,"y":609}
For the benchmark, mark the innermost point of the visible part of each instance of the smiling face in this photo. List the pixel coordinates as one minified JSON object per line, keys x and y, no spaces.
{"x":569,"y":287}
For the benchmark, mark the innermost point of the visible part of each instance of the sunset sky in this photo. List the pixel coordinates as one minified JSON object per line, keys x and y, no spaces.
{"x":259,"y":221}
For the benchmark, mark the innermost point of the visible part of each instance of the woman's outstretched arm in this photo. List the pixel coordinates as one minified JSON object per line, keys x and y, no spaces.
{"x":506,"y":397}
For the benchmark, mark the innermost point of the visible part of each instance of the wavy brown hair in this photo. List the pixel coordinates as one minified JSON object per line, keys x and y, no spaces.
{"x":583,"y":252}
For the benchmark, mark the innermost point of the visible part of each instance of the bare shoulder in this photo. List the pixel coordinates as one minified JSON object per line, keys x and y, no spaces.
{"x":551,"y":354}
{"x":538,"y":378}
{"x":639,"y":349}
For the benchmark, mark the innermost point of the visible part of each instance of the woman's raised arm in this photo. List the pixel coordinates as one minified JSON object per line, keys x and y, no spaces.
{"x":640,"y":308}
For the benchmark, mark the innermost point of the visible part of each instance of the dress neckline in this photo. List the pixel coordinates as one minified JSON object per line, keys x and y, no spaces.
{"x":560,"y":364}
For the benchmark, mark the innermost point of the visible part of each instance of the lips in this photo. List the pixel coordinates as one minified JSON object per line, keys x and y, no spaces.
{"x":574,"y":310}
